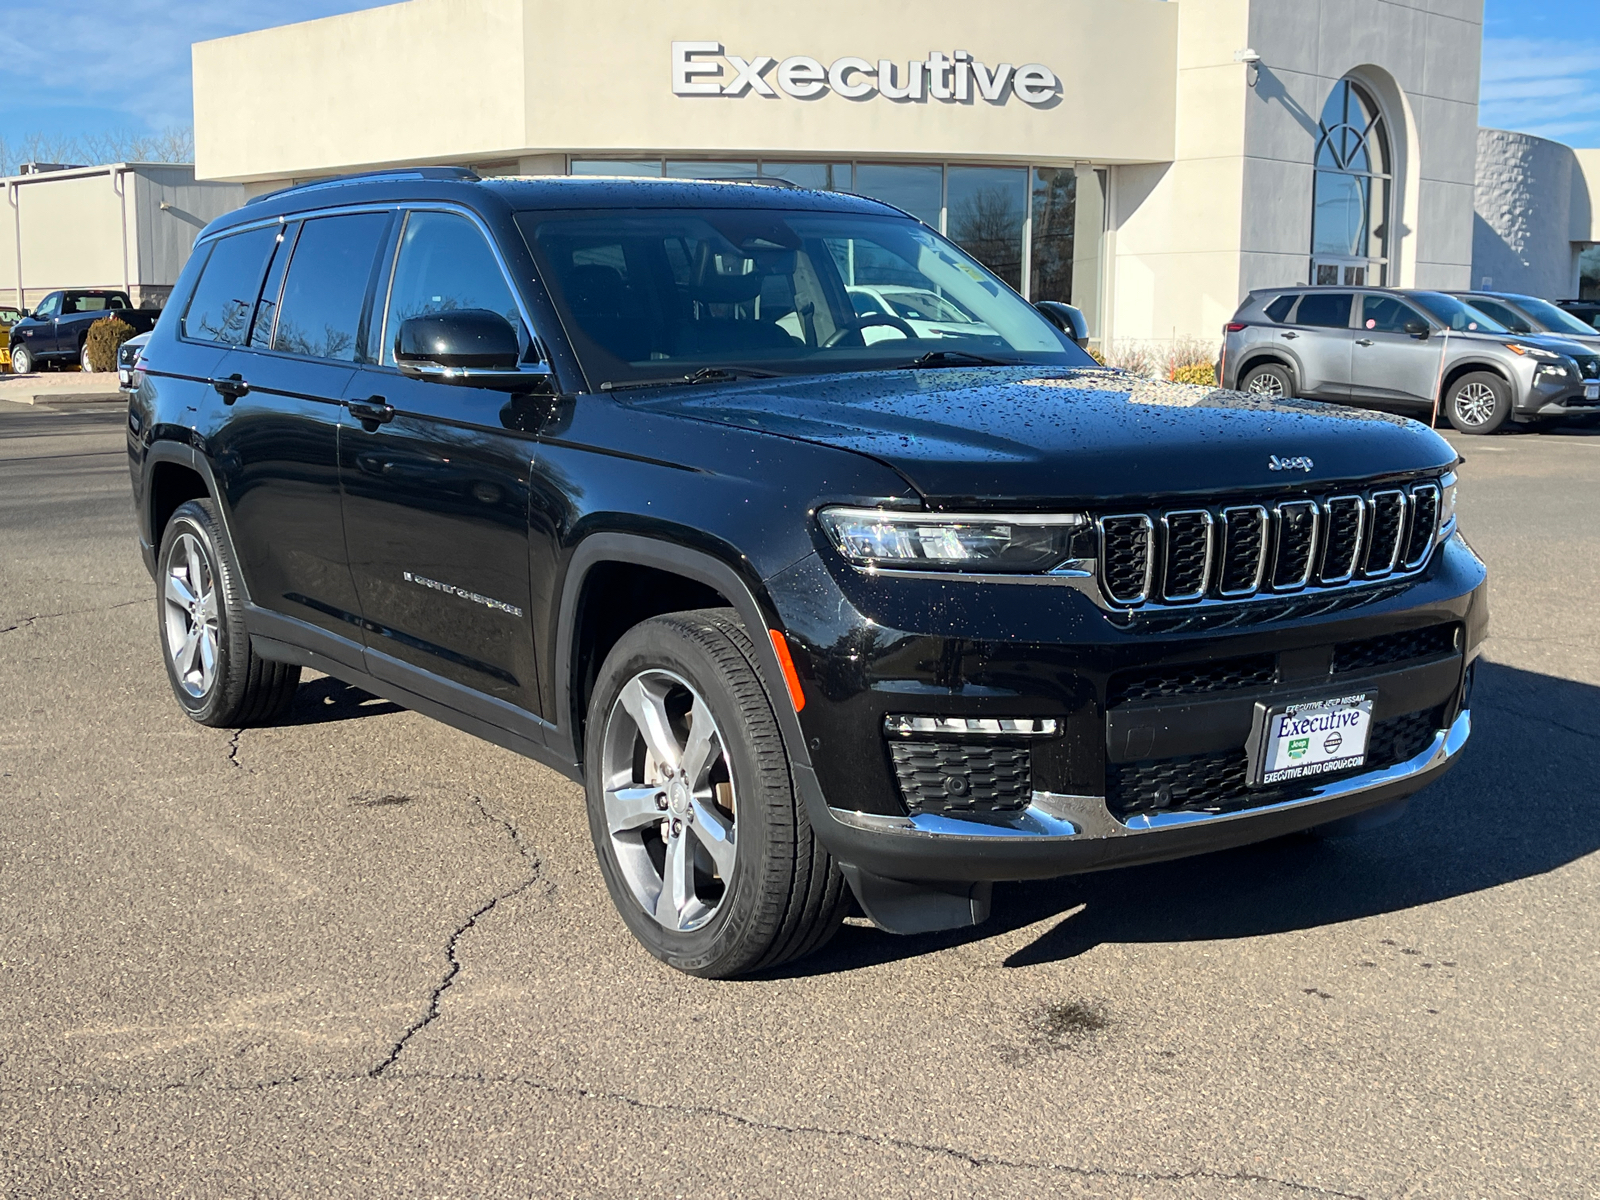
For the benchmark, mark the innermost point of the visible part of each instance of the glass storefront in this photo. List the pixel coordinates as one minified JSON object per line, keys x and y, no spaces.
{"x":1589,"y":273}
{"x":1041,"y":229}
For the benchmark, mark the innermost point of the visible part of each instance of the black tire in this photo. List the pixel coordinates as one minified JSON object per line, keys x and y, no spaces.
{"x":786,"y":896}
{"x":21,"y":361}
{"x":1478,"y":402}
{"x":1268,"y":379}
{"x":242,"y":688}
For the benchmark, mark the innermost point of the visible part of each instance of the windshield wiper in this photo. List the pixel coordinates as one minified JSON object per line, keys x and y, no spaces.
{"x":952,"y":358}
{"x":703,"y":375}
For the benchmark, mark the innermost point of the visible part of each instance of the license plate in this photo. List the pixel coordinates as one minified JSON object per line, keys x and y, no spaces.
{"x":1591,"y":391}
{"x":1318,"y":737}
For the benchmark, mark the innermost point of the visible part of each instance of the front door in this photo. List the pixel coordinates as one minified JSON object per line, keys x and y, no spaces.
{"x":1322,"y":340}
{"x":1389,"y":363}
{"x":436,"y":492}
{"x":279,"y":449}
{"x":43,"y":337}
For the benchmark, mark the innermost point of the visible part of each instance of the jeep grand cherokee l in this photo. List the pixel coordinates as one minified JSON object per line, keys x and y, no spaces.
{"x":608,"y":472}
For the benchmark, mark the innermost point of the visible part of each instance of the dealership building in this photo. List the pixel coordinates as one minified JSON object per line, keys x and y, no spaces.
{"x":1148,"y":160}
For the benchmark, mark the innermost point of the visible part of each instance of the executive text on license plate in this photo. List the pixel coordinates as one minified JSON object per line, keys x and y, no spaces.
{"x":1315,"y":738}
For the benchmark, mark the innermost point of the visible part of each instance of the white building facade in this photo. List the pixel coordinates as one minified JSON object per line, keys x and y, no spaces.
{"x":1148,"y":160}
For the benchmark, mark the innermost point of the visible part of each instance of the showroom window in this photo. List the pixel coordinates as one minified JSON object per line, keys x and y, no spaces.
{"x":1041,"y":229}
{"x":1589,"y":273}
{"x":1352,"y":193}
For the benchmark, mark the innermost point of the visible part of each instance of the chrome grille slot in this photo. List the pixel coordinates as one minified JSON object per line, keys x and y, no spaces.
{"x":1424,"y":523}
{"x":1297,"y":539}
{"x":1244,"y":550}
{"x":1346,"y":517}
{"x":1188,"y":554}
{"x":1206,"y":555}
{"x":1127,"y":557}
{"x":1388,"y":524}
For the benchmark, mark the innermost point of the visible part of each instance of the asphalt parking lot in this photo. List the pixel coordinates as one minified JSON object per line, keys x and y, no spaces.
{"x":363,"y":954}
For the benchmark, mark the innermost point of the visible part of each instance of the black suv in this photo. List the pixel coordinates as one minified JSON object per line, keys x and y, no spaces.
{"x":814,"y":603}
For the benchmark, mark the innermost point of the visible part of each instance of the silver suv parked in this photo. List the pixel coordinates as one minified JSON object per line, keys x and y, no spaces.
{"x":1529,"y":314}
{"x":1405,"y":350}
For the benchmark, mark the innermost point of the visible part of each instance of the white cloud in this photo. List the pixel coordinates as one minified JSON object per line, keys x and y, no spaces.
{"x":1549,"y":87}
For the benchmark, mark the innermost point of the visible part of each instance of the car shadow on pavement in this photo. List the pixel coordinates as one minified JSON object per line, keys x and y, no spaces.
{"x":1521,"y":802}
{"x":326,"y":699}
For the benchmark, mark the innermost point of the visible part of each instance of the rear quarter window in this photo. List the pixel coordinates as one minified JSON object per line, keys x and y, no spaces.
{"x":225,"y":296}
{"x":1278,"y":310}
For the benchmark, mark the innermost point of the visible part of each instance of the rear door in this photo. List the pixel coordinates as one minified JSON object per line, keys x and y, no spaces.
{"x":1388,"y":363}
{"x":436,"y":490}
{"x":1322,"y":340}
{"x":280,"y":444}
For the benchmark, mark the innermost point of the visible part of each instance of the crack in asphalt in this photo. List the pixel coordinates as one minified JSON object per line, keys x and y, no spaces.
{"x":233,"y":749}
{"x":432,"y":1013}
{"x":27,"y":622}
{"x":973,"y":1158}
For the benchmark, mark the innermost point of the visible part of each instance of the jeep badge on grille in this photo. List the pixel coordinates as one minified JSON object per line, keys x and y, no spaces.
{"x":1274,"y":463}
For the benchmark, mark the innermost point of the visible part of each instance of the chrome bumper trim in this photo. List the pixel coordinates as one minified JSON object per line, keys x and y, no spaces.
{"x":1057,"y":817}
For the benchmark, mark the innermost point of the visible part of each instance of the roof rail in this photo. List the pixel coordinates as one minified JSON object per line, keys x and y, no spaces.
{"x":461,"y":174}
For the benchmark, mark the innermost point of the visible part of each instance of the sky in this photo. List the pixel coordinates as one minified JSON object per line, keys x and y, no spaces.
{"x":88,"y":67}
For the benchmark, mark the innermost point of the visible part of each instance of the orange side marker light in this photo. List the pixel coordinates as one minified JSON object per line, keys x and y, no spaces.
{"x":786,"y":664}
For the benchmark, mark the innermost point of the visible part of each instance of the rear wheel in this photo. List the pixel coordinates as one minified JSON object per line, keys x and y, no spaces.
{"x":1478,"y":402}
{"x":21,"y":361}
{"x":703,"y":843}
{"x":1268,"y":379}
{"x":216,"y":675}
{"x":85,"y":363}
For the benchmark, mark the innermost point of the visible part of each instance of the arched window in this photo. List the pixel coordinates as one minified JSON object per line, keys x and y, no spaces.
{"x":1354,"y":182}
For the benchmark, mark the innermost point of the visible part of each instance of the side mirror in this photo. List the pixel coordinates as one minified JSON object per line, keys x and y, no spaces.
{"x":1418,"y":329}
{"x":470,"y":346}
{"x":1067,"y":318}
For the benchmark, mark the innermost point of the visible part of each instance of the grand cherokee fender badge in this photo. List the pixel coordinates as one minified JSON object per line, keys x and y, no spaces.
{"x":1301,"y":463}
{"x":450,"y":589}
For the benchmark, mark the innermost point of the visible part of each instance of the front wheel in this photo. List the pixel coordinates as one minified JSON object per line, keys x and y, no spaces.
{"x":21,"y":361}
{"x":1478,"y":402}
{"x":216,"y":675}
{"x":703,"y":843}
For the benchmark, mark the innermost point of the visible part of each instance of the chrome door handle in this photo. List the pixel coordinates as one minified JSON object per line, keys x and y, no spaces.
{"x":1363,"y":341}
{"x":231,"y":388}
{"x":374,"y":410}
{"x":1291,"y":335}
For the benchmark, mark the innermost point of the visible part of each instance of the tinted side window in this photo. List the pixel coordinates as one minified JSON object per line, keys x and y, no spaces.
{"x":226,"y":294}
{"x":1504,"y":315}
{"x":444,"y":264}
{"x":320,"y":313}
{"x":1385,"y":314}
{"x":1329,"y":310}
{"x":1278,"y":310}
{"x":272,"y":289}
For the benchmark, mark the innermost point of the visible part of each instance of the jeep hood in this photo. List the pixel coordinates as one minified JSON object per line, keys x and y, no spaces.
{"x":1047,"y":435}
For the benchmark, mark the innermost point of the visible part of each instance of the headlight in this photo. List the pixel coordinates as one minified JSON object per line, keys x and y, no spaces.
{"x":977,"y":542}
{"x":1531,"y":351}
{"x":1447,"y":506}
{"x":1557,"y":371}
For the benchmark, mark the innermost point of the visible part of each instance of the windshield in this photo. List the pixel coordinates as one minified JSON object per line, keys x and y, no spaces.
{"x":1552,"y":318}
{"x":654,"y":295}
{"x":1457,"y":316}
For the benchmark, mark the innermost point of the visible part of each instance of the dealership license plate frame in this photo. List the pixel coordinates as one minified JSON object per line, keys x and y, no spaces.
{"x":1591,"y":391}
{"x":1268,"y":730}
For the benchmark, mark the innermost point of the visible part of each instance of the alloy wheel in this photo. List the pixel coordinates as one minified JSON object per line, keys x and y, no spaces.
{"x":85,"y":363}
{"x":1266,"y":384}
{"x":670,"y":805}
{"x":189,"y":593}
{"x":1475,"y":403}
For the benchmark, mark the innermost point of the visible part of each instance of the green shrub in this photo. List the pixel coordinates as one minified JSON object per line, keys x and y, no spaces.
{"x":105,"y":336}
{"x":1203,"y":374}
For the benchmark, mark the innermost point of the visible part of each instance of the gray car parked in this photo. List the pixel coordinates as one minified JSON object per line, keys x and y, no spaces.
{"x":1529,"y":314}
{"x":1405,"y":350}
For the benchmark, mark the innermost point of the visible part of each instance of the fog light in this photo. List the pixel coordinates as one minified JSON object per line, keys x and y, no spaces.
{"x":904,"y":725}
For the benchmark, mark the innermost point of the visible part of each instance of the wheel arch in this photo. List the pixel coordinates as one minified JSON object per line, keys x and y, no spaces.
{"x":647,"y":577}
{"x":1471,"y":367}
{"x":174,"y":473}
{"x":1273,"y":357}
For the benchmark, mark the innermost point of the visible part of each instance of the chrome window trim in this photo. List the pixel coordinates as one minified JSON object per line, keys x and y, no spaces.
{"x":1149,"y":556}
{"x":1261,"y":555}
{"x":1400,"y":537}
{"x":1355,"y":550}
{"x":1277,"y":543}
{"x":1166,"y":553}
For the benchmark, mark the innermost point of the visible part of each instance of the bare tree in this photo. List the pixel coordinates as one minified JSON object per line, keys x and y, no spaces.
{"x":172,"y":145}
